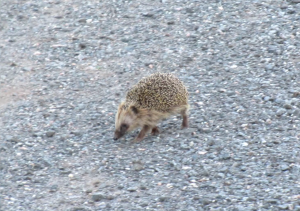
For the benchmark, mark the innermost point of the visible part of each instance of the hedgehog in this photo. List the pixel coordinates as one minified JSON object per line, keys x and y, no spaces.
{"x":151,"y":100}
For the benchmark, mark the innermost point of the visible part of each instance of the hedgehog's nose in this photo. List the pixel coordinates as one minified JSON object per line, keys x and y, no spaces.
{"x":116,"y":136}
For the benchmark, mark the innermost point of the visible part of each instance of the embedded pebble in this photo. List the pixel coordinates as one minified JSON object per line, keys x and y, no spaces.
{"x":98,"y":196}
{"x":50,"y":133}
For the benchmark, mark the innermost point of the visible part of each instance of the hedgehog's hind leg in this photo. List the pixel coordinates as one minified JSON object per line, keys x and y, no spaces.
{"x":185,"y":119}
{"x":155,"y":131}
{"x":142,"y":133}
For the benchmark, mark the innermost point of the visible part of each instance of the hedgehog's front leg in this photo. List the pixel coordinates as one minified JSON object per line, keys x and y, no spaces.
{"x":142,"y":133}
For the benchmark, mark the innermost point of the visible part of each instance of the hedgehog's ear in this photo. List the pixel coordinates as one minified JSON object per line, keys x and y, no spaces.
{"x":122,"y":106}
{"x":134,"y":109}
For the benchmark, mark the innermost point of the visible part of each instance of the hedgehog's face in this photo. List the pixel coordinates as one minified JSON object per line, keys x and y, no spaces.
{"x":126,"y":120}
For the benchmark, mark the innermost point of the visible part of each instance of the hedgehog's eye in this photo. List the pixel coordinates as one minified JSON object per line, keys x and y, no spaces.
{"x":123,"y":127}
{"x":134,"y":109}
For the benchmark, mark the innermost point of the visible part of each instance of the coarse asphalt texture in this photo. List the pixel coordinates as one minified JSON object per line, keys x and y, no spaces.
{"x":66,"y":65}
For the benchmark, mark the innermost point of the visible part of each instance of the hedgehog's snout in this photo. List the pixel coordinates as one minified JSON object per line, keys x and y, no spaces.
{"x":117,"y":135}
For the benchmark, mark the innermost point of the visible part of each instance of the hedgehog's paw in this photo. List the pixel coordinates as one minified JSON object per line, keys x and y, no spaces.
{"x":142,"y":134}
{"x":155,"y":131}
